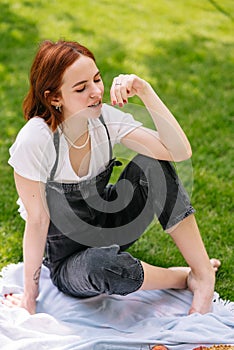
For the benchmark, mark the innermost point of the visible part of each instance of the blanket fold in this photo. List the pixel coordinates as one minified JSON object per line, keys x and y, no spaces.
{"x":133,"y":322}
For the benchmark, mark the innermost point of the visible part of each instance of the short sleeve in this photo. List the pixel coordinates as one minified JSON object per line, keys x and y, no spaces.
{"x":33,"y":152}
{"x":119,"y":123}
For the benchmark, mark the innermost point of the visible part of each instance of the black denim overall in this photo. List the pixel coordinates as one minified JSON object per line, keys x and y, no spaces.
{"x":92,"y":223}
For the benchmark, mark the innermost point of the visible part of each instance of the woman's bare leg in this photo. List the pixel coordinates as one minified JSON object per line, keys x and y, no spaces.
{"x":165,"y":278}
{"x":201,"y":278}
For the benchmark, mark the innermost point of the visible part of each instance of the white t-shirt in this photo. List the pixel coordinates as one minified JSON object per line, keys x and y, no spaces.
{"x":33,"y":153}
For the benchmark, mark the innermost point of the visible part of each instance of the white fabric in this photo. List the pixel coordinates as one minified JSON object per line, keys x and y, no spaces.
{"x":134,"y":322}
{"x":33,"y":154}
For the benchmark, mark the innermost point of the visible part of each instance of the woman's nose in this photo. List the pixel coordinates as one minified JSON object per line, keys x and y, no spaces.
{"x":95,"y":91}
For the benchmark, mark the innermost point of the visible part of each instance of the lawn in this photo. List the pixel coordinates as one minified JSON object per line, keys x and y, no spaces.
{"x":185,"y":50}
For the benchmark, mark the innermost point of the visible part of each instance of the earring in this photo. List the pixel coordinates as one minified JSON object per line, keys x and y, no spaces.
{"x":58,"y":108}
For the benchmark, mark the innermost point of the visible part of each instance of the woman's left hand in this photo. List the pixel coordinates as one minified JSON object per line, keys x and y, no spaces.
{"x":19,"y":300}
{"x":125,"y":86}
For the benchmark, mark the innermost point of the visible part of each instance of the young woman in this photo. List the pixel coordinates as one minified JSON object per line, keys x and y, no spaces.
{"x":62,"y":160}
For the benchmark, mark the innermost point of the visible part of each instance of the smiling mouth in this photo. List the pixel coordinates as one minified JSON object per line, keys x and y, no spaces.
{"x":97,"y":104}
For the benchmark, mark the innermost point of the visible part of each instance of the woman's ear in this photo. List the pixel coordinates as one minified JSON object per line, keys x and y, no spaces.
{"x":54,"y":101}
{"x":46,"y":94}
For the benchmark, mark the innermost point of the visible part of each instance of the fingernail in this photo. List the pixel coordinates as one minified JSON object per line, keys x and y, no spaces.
{"x":114,"y":103}
{"x":120,"y":104}
{"x":5,"y":295}
{"x":125,"y":101}
{"x":11,"y":294}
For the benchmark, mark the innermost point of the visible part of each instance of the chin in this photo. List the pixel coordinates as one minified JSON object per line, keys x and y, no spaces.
{"x":95,"y":113}
{"x":87,"y":113}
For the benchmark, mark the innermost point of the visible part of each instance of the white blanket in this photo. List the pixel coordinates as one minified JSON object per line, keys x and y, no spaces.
{"x":134,"y":322}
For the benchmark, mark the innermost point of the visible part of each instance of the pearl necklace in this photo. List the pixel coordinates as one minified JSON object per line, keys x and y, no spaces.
{"x":75,"y":146}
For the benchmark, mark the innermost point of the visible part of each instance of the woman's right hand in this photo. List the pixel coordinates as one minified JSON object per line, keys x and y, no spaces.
{"x":20,"y":300}
{"x":125,"y":86}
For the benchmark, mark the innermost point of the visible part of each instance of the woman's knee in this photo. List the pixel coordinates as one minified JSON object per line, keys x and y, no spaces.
{"x":111,"y":271}
{"x":153,"y":172}
{"x":170,"y":199}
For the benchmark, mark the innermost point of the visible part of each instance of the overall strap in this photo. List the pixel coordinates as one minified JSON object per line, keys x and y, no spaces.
{"x":108,"y":135}
{"x":56,"y":145}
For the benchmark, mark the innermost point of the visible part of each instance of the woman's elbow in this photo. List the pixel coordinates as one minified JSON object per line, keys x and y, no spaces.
{"x":41,"y":220}
{"x":183,"y":155}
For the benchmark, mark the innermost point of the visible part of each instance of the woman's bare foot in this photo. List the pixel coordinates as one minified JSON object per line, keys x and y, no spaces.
{"x":202,"y":287}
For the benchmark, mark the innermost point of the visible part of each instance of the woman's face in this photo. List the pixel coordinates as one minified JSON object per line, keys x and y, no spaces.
{"x":82,"y":89}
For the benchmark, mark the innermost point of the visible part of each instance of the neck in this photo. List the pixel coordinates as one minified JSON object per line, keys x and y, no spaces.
{"x":75,"y":129}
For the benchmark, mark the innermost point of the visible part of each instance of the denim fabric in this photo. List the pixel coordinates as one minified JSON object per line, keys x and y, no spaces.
{"x":81,"y":270}
{"x":99,"y":270}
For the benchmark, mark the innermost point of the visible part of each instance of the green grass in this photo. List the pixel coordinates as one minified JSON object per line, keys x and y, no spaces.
{"x":185,"y":50}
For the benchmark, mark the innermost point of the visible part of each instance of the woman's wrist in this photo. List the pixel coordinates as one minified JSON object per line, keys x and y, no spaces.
{"x":30,"y":298}
{"x":29,"y":303}
{"x":148,"y":96}
{"x":145,"y":91}
{"x":31,"y":294}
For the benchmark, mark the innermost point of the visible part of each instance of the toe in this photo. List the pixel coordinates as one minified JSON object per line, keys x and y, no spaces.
{"x":215,"y":263}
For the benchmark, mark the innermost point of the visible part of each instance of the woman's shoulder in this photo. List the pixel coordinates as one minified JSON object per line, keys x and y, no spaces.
{"x":36,"y":124}
{"x":35,"y":130}
{"x":33,"y":153}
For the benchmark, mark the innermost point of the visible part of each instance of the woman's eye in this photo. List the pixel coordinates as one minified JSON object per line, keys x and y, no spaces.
{"x":80,"y":90}
{"x":98,"y":80}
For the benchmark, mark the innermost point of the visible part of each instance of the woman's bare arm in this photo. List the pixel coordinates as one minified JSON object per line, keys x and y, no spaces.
{"x":32,"y":194}
{"x":170,"y":141}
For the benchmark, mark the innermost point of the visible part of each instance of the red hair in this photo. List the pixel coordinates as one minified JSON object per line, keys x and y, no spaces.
{"x":49,"y":65}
